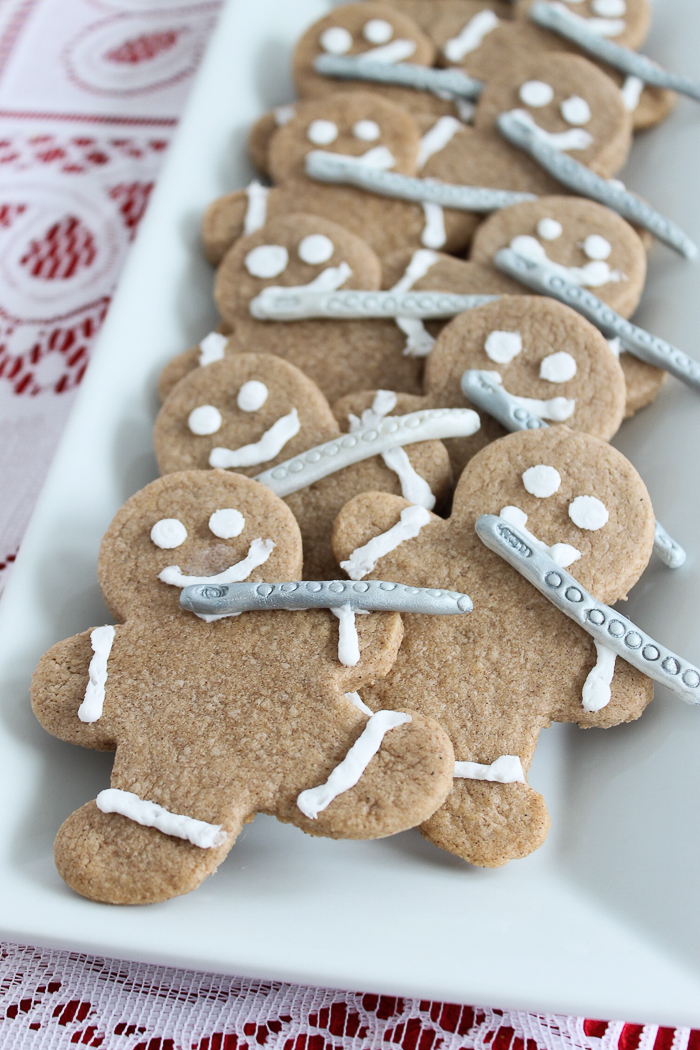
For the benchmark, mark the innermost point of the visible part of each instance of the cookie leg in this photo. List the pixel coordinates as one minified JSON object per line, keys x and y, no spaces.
{"x":489,"y":824}
{"x":111,"y":859}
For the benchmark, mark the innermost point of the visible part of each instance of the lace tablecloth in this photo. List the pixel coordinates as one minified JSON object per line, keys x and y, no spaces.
{"x":90,"y":92}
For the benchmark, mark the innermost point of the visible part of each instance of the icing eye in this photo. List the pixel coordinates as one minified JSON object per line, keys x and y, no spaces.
{"x":367,"y":130}
{"x":575,"y":110}
{"x":536,"y":93}
{"x":609,"y":8}
{"x":336,"y":40}
{"x":283,"y":114}
{"x":168,"y":533}
{"x":378,"y":31}
{"x":549,"y":229}
{"x":542,"y":481}
{"x":267,"y":260}
{"x":322,"y":132}
{"x":558,"y":368}
{"x":252,"y":396}
{"x":206,"y":419}
{"x":596,"y":247}
{"x":316,"y":249}
{"x":588,"y":513}
{"x":502,"y":347}
{"x":227,"y":523}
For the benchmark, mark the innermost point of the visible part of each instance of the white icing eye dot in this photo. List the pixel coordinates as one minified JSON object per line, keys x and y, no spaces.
{"x":206,"y":419}
{"x":542,"y":481}
{"x":283,"y":114}
{"x":378,"y":31}
{"x":596,"y":247}
{"x":549,"y":229}
{"x":502,"y":347}
{"x":267,"y":260}
{"x":252,"y":396}
{"x":588,"y":513}
{"x":322,"y":132}
{"x":227,"y":523}
{"x":558,"y":368}
{"x":316,"y":249}
{"x":168,"y":533}
{"x":609,"y":8}
{"x":575,"y":110}
{"x":536,"y":93}
{"x":367,"y":130}
{"x":336,"y":40}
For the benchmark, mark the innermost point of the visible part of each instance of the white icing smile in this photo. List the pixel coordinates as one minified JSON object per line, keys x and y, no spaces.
{"x":270,"y":445}
{"x":258,"y":553}
{"x":379,"y":157}
{"x":558,"y":409}
{"x":562,"y":553}
{"x":593,"y":275}
{"x":604,"y":26}
{"x":574,"y":139}
{"x":390,"y":54}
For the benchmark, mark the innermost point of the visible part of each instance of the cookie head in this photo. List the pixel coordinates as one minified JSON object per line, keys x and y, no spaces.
{"x":194,"y":527}
{"x":625,"y":22}
{"x":572,"y":492}
{"x":372,"y":30}
{"x":292,"y":251}
{"x":246,"y":413}
{"x":597,"y":248}
{"x":568,"y":103}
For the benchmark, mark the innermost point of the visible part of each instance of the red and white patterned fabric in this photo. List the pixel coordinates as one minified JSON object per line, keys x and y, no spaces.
{"x":90,"y":91}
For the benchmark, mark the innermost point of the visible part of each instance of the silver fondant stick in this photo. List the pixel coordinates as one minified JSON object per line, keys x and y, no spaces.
{"x":586,"y":183}
{"x":604,"y":624}
{"x":555,"y":17}
{"x":329,"y":167}
{"x":292,"y":304}
{"x":208,"y":599}
{"x":445,"y":83}
{"x":637,"y":341}
{"x":488,"y":394}
{"x":393,"y":431}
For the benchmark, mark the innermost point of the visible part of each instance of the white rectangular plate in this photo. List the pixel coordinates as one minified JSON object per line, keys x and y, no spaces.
{"x":604,"y":919}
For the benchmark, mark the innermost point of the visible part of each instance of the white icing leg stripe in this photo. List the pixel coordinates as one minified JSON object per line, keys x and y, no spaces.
{"x":507,"y":769}
{"x":151,"y":815}
{"x":312,"y":801}
{"x":363,"y":560}
{"x":421,"y":262}
{"x":258,"y":553}
{"x":419,"y":341}
{"x":101,"y":640}
{"x":434,"y":235}
{"x":256,"y":212}
{"x":212,"y":348}
{"x":435,"y":140}
{"x":348,"y":642}
{"x":471,"y":36}
{"x":596,"y":688}
{"x":631,"y":92}
{"x":414,"y":488}
{"x":270,"y":445}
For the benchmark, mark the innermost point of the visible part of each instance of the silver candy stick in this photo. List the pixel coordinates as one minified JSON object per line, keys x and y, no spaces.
{"x":208,"y":599}
{"x":586,"y":183}
{"x":316,"y":463}
{"x":290,"y":304}
{"x":637,"y":341}
{"x":445,"y":83}
{"x":555,"y":17}
{"x":604,"y":624}
{"x":329,"y":167}
{"x":489,"y":395}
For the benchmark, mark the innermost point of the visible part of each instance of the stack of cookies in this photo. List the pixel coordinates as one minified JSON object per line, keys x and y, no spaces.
{"x":385,"y":425}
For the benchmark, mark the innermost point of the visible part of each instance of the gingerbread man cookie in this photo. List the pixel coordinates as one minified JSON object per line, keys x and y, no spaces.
{"x":214,"y":722}
{"x":516,"y":664}
{"x":251,"y":412}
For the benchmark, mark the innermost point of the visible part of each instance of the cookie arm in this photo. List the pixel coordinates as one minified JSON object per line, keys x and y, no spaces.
{"x":624,"y":692}
{"x":58,"y":690}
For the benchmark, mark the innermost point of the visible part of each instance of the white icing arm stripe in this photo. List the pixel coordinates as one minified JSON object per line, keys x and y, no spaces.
{"x":394,"y":431}
{"x":363,"y":560}
{"x":258,"y":553}
{"x":419,"y":341}
{"x":359,"y":703}
{"x":151,"y":815}
{"x":471,"y":36}
{"x":508,"y":769}
{"x":600,"y":621}
{"x":101,"y":640}
{"x":268,"y":447}
{"x":596,"y":688}
{"x":292,"y":304}
{"x":312,"y":801}
{"x":256,"y":212}
{"x":405,"y":74}
{"x":558,"y":19}
{"x":330,"y":167}
{"x":435,"y":140}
